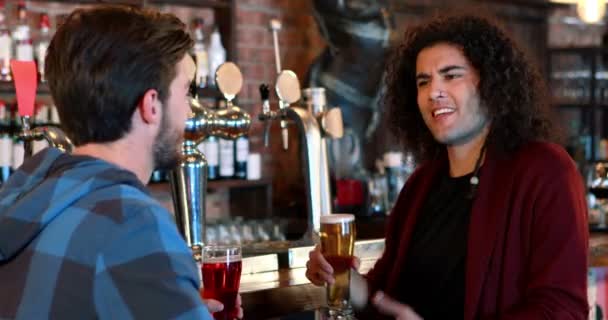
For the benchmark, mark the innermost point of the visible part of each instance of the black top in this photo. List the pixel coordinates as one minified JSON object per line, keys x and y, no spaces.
{"x":432,"y":282}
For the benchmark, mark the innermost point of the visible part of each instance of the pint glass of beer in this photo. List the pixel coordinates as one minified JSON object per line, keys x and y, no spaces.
{"x":337,"y":245}
{"x":221,"y":271}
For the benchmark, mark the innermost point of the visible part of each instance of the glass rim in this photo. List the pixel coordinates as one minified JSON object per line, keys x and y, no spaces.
{"x":335,"y":218}
{"x":221,"y":247}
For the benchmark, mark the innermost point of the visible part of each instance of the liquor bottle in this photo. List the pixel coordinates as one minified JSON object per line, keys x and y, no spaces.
{"x":18,"y":154}
{"x":6,"y":144}
{"x":217,"y":55}
{"x":42,"y":45}
{"x":241,"y":155}
{"x":24,"y":50}
{"x":211,"y":149}
{"x":54,"y":117}
{"x":226,"y":158}
{"x":6,"y":46}
{"x":200,"y":55}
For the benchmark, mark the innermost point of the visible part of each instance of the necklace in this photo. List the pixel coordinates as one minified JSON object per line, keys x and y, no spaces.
{"x":474,"y":181}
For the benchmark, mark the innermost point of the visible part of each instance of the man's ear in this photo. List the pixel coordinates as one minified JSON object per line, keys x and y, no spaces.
{"x":149,"y":107}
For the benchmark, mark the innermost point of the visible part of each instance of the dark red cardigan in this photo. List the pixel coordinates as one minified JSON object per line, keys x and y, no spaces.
{"x":527,"y":242}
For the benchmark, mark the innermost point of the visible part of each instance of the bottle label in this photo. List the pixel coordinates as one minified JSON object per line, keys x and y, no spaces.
{"x":40,"y":55}
{"x":24,"y":52}
{"x":211,"y":150}
{"x":202,"y":67}
{"x":5,"y":48}
{"x":226,"y":158}
{"x":18,"y":154}
{"x":242,"y":149}
{"x":54,"y":115}
{"x":6,"y":151}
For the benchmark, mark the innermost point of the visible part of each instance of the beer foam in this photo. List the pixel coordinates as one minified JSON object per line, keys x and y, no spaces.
{"x":224,"y":259}
{"x":337,"y":218}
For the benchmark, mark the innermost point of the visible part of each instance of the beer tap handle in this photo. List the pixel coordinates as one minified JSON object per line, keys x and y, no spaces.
{"x":284,"y":131}
{"x":275,"y":26}
{"x":265,"y":93}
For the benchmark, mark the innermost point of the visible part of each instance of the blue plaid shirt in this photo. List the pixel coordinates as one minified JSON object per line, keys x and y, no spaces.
{"x":81,"y":238}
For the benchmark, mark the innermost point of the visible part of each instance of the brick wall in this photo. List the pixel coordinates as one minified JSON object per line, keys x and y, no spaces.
{"x":300,"y":43}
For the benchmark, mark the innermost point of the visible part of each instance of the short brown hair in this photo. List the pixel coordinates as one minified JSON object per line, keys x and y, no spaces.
{"x":102,"y":60}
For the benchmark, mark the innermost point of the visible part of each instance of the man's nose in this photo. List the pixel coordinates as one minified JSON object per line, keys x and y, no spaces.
{"x":437,"y":91}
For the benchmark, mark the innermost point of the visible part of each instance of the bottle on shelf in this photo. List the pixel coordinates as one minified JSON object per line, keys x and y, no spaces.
{"x":24,"y":50}
{"x":241,"y":156}
{"x":41,"y":116}
{"x":18,"y":153}
{"x":217,"y":55}
{"x":6,"y":46}
{"x":6,"y":144}
{"x":210,"y":147}
{"x":199,"y":51}
{"x":54,"y":116}
{"x":43,"y":43}
{"x":226,"y":158}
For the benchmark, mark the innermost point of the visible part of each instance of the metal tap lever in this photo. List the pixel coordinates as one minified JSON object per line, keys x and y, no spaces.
{"x":275,"y":26}
{"x":266,"y":113}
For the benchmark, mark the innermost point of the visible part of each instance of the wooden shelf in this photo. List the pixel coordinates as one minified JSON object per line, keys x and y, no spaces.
{"x":223,"y":184}
{"x":572,"y":105}
{"x":218,"y":4}
{"x":7,"y":87}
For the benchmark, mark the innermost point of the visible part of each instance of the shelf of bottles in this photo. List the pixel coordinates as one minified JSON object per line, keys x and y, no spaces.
{"x":227,"y":160}
{"x":579,"y":85}
{"x":11,"y":148}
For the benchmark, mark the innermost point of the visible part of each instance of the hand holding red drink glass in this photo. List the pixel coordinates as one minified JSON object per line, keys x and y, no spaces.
{"x":221,"y":271}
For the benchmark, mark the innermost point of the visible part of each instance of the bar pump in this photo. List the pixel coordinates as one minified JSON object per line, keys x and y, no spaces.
{"x":25,"y":75}
{"x":189,"y":179}
{"x":315,"y":124}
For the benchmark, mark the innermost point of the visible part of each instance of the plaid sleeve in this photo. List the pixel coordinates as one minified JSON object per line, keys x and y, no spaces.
{"x":147,"y":272}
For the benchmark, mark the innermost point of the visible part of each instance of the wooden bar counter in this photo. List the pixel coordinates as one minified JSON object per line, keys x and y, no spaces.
{"x":286,"y":291}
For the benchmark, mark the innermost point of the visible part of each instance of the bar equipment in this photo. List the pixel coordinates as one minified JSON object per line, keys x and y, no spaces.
{"x":315,"y":125}
{"x":26,"y":77}
{"x":189,"y":178}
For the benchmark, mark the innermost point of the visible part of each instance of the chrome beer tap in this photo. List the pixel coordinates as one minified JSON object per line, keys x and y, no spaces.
{"x":52,"y":135}
{"x":314,"y":126}
{"x":25,"y":77}
{"x":189,"y":179}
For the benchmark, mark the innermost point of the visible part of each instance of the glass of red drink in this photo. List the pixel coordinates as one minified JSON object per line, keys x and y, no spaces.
{"x":221,"y":269}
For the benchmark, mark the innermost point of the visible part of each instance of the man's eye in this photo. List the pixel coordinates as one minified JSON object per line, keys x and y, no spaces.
{"x":422,"y":83}
{"x":452,"y":76}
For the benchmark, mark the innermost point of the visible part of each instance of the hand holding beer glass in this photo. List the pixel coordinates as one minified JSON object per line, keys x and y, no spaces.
{"x":221,"y":269}
{"x":337,"y":247}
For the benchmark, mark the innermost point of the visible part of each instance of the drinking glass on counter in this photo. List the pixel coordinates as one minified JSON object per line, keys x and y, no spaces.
{"x":221,"y":271}
{"x":337,"y":236}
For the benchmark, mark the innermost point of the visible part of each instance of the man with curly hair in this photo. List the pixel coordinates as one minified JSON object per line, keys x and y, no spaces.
{"x":492,"y":225}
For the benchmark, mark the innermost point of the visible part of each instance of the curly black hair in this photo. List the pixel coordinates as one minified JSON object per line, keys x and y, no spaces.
{"x":510,"y":87}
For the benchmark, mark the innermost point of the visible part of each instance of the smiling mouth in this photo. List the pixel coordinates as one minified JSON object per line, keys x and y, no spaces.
{"x":442,"y":111}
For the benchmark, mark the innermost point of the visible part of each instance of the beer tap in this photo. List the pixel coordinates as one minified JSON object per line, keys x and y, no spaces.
{"x":275,"y":26}
{"x":314,"y":126}
{"x":25,"y":78}
{"x":265,"y":93}
{"x":189,"y":178}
